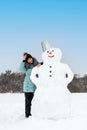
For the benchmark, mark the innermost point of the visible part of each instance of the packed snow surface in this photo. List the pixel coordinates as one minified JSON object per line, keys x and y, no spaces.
{"x":12,"y":115}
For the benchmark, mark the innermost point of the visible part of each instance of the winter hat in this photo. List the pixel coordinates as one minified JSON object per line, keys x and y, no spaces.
{"x":45,"y":45}
{"x":28,"y":56}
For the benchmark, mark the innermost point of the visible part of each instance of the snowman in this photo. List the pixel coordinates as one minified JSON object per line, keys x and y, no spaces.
{"x":52,"y":98}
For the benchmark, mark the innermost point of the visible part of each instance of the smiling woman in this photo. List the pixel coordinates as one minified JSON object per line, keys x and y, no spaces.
{"x":29,"y":87}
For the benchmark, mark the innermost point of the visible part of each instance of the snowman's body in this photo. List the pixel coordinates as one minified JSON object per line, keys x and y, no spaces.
{"x":52,"y":98}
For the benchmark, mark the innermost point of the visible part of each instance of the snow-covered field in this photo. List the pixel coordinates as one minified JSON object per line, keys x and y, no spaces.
{"x":12,"y":115}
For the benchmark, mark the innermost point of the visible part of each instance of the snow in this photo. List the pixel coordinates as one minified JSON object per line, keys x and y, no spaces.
{"x":12,"y":115}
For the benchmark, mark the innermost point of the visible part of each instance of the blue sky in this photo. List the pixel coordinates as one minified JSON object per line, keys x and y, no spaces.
{"x":25,"y":23}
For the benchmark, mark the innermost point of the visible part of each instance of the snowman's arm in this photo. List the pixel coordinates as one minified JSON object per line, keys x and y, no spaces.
{"x":35,"y":75}
{"x":68,"y":74}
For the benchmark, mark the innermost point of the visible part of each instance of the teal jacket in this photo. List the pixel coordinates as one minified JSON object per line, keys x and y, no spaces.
{"x":28,"y":85}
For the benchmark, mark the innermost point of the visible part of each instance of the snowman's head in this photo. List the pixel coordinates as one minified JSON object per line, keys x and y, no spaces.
{"x":52,"y":55}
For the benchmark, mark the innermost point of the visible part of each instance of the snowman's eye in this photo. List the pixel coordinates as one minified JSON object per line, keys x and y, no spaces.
{"x":52,"y":50}
{"x":47,"y":51}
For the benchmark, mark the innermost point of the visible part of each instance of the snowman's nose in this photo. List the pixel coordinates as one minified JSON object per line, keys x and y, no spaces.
{"x":50,"y":52}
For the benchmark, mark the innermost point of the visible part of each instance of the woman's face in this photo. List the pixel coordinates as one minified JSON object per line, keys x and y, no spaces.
{"x":30,"y":60}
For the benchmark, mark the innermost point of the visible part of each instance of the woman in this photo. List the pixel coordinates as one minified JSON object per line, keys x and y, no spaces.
{"x":28,"y":87}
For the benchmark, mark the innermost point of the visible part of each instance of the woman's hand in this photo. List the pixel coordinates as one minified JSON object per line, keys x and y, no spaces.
{"x":38,"y":65}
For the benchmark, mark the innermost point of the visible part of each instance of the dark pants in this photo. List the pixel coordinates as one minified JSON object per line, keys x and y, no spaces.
{"x":28,"y":100}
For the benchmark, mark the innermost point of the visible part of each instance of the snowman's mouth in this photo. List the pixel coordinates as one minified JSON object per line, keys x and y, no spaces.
{"x":51,"y":56}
